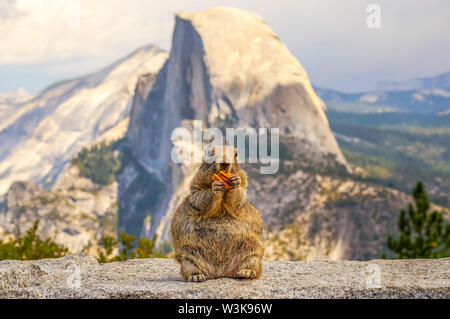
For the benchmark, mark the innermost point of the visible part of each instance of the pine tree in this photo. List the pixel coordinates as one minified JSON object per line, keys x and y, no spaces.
{"x":31,"y":246}
{"x":129,"y":248}
{"x":99,"y":163}
{"x":423,"y":234}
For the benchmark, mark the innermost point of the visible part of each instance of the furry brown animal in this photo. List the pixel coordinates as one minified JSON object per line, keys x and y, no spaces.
{"x":216,"y":232}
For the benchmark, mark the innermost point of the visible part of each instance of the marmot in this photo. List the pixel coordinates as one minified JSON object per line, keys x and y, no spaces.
{"x":216,"y":232}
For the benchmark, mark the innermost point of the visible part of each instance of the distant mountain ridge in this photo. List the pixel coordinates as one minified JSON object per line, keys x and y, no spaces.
{"x":227,"y":68}
{"x":15,"y":97}
{"x":441,"y":81}
{"x":225,"y":65}
{"x":41,"y":135}
{"x":423,"y":101}
{"x":10,"y":101}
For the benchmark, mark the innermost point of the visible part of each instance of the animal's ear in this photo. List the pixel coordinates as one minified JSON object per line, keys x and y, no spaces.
{"x":209,"y":154}
{"x":209,"y":148}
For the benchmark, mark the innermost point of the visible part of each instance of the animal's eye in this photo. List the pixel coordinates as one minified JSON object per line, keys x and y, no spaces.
{"x":235,"y":154}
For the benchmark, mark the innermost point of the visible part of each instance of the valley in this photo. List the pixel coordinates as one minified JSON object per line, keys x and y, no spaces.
{"x":90,"y":156}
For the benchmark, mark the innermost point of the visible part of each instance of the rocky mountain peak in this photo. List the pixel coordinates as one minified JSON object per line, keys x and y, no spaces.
{"x":40,"y":136}
{"x":227,"y":68}
{"x":254,"y":79}
{"x":226,"y":63}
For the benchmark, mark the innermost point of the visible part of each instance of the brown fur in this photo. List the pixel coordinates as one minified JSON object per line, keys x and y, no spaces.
{"x":217,"y":232}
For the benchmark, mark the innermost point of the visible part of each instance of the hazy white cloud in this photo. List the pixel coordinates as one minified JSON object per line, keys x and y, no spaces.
{"x":329,"y":37}
{"x":9,"y":10}
{"x":49,"y":30}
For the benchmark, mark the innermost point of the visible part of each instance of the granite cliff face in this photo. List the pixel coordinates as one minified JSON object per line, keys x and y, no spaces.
{"x":76,"y":212}
{"x":226,"y":67}
{"x":10,"y":102}
{"x":41,"y":135}
{"x":227,"y":63}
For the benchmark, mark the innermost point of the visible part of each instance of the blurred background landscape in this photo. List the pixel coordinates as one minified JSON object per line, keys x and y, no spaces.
{"x":90,"y":93}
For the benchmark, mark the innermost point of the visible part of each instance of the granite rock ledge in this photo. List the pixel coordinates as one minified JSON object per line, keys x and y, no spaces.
{"x":80,"y":276}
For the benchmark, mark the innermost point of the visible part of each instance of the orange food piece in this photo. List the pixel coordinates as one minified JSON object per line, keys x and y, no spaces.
{"x":222,"y":177}
{"x":225,"y":175}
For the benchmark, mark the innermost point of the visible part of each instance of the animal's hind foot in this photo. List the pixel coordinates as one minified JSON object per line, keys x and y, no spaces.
{"x":246,"y":274}
{"x":197,"y":278}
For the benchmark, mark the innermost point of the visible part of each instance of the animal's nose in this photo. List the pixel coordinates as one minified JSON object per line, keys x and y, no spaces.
{"x":225,"y":165}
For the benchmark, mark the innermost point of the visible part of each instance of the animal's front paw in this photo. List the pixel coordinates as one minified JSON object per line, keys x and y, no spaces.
{"x":197,"y":278}
{"x":246,"y":274}
{"x":235,"y":181}
{"x":218,"y":187}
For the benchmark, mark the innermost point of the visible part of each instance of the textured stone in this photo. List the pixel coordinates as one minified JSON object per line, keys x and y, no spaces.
{"x":235,"y":73}
{"x":159,"y":278}
{"x":16,"y":274}
{"x":69,"y":115}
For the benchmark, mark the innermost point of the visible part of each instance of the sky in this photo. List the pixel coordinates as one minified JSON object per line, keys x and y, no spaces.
{"x":44,"y":41}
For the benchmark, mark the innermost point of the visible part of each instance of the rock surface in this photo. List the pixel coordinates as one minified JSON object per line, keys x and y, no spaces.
{"x":228,"y":69}
{"x":76,"y":212}
{"x":39,"y":135}
{"x":79,"y":276}
{"x":238,"y":75}
{"x":42,"y":134}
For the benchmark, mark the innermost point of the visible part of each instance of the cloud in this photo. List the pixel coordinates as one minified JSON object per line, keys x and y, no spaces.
{"x":49,"y":30}
{"x":9,"y":10}
{"x":329,"y":37}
